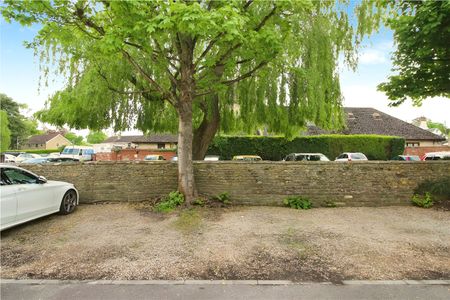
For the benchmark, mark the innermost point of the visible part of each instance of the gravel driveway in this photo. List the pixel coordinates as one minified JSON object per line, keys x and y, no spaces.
{"x":124,"y":241}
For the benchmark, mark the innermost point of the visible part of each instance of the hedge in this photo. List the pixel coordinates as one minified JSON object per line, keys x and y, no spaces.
{"x":375,"y":147}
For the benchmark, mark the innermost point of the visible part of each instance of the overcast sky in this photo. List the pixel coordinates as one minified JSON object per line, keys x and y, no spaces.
{"x":19,"y":76}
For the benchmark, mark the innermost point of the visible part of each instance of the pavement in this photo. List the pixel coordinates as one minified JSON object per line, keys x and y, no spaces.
{"x":232,"y":289}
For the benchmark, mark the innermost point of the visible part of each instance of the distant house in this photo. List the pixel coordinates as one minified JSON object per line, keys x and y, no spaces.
{"x":143,"y":142}
{"x":362,"y":120}
{"x":51,"y":140}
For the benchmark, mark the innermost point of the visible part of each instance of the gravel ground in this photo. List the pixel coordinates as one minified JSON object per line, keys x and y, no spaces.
{"x":124,"y":241}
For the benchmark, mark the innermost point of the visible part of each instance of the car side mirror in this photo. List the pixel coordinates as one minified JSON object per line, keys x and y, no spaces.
{"x":41,"y":179}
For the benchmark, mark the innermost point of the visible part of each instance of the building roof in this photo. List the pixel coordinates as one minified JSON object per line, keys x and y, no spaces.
{"x":366,"y":120}
{"x":143,"y":139}
{"x":42,"y":138}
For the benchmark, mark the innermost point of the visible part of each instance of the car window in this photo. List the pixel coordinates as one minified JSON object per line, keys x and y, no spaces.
{"x":300,"y":157}
{"x":88,"y":151}
{"x":343,"y":156}
{"x":358,"y":156}
{"x":314,"y":157}
{"x":16,"y":176}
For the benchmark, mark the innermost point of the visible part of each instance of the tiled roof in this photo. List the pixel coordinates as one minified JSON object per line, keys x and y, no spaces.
{"x":364,"y":120}
{"x":143,"y":139}
{"x":42,"y":138}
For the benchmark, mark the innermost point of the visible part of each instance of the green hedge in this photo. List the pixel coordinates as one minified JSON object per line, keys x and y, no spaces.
{"x":375,"y":147}
{"x":37,"y":151}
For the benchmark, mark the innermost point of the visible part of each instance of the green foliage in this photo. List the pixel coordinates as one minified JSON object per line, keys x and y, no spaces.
{"x":297,"y":202}
{"x":422,"y":201}
{"x":438,"y":188}
{"x":20,"y":127}
{"x":96,"y":137}
{"x":199,"y":202}
{"x":74,"y":139}
{"x":375,"y":147}
{"x":441,"y":127}
{"x":223,"y":198}
{"x":422,"y":59}
{"x":122,"y":62}
{"x":5,"y":133}
{"x":173,"y":200}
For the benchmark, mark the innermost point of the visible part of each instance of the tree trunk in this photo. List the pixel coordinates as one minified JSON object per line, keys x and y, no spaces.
{"x":205,"y":133}
{"x":186,"y":182}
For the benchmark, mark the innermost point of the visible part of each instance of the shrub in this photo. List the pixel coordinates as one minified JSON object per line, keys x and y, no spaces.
{"x":173,"y":200}
{"x":426,"y":201}
{"x":199,"y":202}
{"x":224,"y":198}
{"x":376,"y":147}
{"x":297,"y":202}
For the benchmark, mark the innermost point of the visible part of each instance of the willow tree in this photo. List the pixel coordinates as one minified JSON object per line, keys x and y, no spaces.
{"x":202,"y":64}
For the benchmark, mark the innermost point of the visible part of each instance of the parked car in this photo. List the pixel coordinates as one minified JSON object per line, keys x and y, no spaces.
{"x":78,"y":152}
{"x":349,"y":156}
{"x":45,"y":160}
{"x":406,"y":158}
{"x":9,"y":158}
{"x":174,"y":159}
{"x":27,"y":196}
{"x":212,"y":158}
{"x":247,"y":157}
{"x":24,"y":156}
{"x":306,"y":157}
{"x":154,"y":157}
{"x":436,"y":156}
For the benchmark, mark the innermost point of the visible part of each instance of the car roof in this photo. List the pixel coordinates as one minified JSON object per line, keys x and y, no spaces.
{"x":246,"y":156}
{"x":78,"y":147}
{"x":307,"y":153}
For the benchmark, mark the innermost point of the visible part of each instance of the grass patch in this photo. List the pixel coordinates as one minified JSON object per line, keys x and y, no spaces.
{"x":291,"y":240}
{"x":188,"y":221}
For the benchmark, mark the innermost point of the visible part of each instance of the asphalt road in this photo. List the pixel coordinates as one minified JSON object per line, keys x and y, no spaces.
{"x":68,"y":291}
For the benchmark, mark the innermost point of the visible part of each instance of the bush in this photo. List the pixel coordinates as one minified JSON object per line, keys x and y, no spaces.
{"x":375,"y":147}
{"x":297,"y":202}
{"x":173,"y":200}
{"x":426,"y":201}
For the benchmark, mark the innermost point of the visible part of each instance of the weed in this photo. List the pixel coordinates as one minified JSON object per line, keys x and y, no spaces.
{"x":199,"y":202}
{"x":297,"y":202}
{"x":224,"y":198}
{"x":188,"y":221}
{"x":173,"y":200}
{"x":426,"y":201}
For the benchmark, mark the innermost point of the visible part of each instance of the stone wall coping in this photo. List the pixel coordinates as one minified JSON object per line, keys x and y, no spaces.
{"x":370,"y":162}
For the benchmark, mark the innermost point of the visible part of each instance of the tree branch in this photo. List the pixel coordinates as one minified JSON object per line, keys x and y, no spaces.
{"x":246,"y":75}
{"x":165,"y":95}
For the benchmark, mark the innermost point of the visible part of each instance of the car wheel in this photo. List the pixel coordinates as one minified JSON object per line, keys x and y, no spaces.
{"x":68,"y":203}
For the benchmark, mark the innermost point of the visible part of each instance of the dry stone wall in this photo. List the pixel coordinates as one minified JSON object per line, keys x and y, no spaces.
{"x":259,"y":183}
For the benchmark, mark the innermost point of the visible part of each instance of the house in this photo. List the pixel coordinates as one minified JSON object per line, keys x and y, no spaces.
{"x":50,"y":140}
{"x":136,"y":147}
{"x":364,"y":120}
{"x":148,"y":142}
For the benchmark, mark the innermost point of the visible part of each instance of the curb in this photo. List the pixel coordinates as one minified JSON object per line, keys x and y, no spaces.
{"x":221,"y":282}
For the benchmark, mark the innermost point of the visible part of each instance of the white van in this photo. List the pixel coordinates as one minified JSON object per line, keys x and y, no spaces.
{"x":78,"y":152}
{"x":437,"y":155}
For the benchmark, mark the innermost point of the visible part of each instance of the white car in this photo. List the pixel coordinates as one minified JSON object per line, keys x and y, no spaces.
{"x":306,"y":157}
{"x":26,"y":196}
{"x":10,"y":158}
{"x":349,"y":156}
{"x":24,"y":156}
